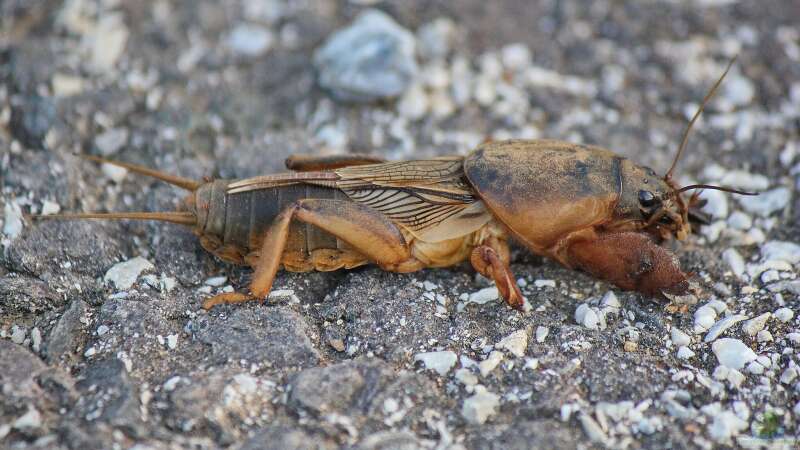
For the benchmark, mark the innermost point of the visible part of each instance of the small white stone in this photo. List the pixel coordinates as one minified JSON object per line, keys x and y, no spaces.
{"x":685,"y":353}
{"x":718,"y":328}
{"x":679,"y":338}
{"x":18,"y":334}
{"x":516,"y":343}
{"x":734,"y":261}
{"x":794,"y":338}
{"x":466,"y":377}
{"x":439,"y":362}
{"x":124,"y":274}
{"x":747,"y":181}
{"x":36,"y":339}
{"x":541,"y":333}
{"x":717,"y":205}
{"x":756,"y":324}
{"x":781,"y":250}
{"x":485,"y":295}
{"x":544,"y":283}
{"x":49,"y":207}
{"x":586,"y":316}
{"x":107,"y":42}
{"x":755,"y":368}
{"x":113,"y":172}
{"x":482,"y":405}
{"x":784,"y":314}
{"x":592,"y":429}
{"x":172,"y":383}
{"x":789,"y":375}
{"x":414,"y":103}
{"x":216,"y":281}
{"x":249,"y":40}
{"x":167,"y":284}
{"x":102,"y":329}
{"x":91,"y":351}
{"x":740,"y":221}
{"x":111,"y":141}
{"x":515,"y":56}
{"x":732,"y":353}
{"x":610,"y":301}
{"x":490,"y":363}
{"x":66,"y":85}
{"x":764,"y":336}
{"x":172,"y":341}
{"x":704,"y":318}
{"x":770,"y":276}
{"x":28,"y":421}
{"x":726,"y":425}
{"x":531,"y":363}
{"x":485,"y":92}
{"x":766,"y":203}
{"x":12,"y":221}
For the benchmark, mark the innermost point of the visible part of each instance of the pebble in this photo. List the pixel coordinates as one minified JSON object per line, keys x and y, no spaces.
{"x":66,"y":85}
{"x":113,"y":172}
{"x":586,"y":316}
{"x":704,"y":318}
{"x":734,"y":261}
{"x":789,"y":375}
{"x":726,"y":425}
{"x":794,"y":338}
{"x":107,"y":42}
{"x":755,"y":368}
{"x":482,"y":405}
{"x":110,"y":141}
{"x":32,"y":419}
{"x":18,"y":334}
{"x":414,"y":104}
{"x":747,"y":181}
{"x":679,"y":338}
{"x":784,"y":314}
{"x":249,"y":40}
{"x":764,"y":336}
{"x":544,"y":283}
{"x":483,"y":296}
{"x":49,"y":207}
{"x":465,"y":377}
{"x":371,"y":59}
{"x":766,"y":203}
{"x":490,"y":363}
{"x":31,"y":121}
{"x":123,"y":275}
{"x":515,"y":56}
{"x":216,"y":281}
{"x":732,"y":353}
{"x":717,"y":205}
{"x":781,"y":250}
{"x":541,"y":333}
{"x":36,"y":339}
{"x":740,"y":221}
{"x":436,"y":38}
{"x":756,"y":324}
{"x":172,"y":341}
{"x":12,"y":220}
{"x":610,"y":302}
{"x":172,"y":383}
{"x":685,"y":353}
{"x":102,"y":329}
{"x":516,"y":343}
{"x":718,"y":328}
{"x":439,"y":362}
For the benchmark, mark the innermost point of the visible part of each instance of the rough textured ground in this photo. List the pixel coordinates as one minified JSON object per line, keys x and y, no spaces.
{"x":332,"y":361}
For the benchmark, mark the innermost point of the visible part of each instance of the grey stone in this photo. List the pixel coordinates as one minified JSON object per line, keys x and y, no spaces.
{"x":285,"y":438}
{"x":67,"y":333}
{"x":392,"y":440}
{"x":277,"y":336}
{"x":336,"y":388}
{"x":371,"y":59}
{"x":109,"y":395}
{"x":21,"y":294}
{"x":31,"y":119}
{"x":19,"y":369}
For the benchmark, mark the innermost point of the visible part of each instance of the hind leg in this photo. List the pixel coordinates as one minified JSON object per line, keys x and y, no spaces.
{"x":309,"y":163}
{"x":367,"y":231}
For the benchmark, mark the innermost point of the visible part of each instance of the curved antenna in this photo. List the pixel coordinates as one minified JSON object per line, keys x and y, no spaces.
{"x":717,"y":188}
{"x":695,"y":117}
{"x":185,"y":183}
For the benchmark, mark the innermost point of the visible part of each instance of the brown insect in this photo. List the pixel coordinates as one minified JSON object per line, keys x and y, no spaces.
{"x":586,"y":207}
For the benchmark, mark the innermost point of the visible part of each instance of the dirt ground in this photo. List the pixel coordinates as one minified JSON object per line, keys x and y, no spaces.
{"x":367,"y":359}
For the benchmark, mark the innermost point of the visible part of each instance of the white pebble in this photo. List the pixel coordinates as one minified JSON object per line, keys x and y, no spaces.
{"x":718,"y":328}
{"x":755,"y":368}
{"x":485,"y":295}
{"x":516,"y":56}
{"x":482,"y":405}
{"x":717,"y":205}
{"x":18,"y":334}
{"x":36,"y":339}
{"x":764,"y":336}
{"x":102,"y":329}
{"x":28,"y":421}
{"x":766,"y":203}
{"x":12,"y":223}
{"x":49,"y":207}
{"x":610,"y":301}
{"x":747,"y":181}
{"x":414,"y":104}
{"x":172,"y":383}
{"x":679,"y":338}
{"x":704,"y":318}
{"x":789,"y":375}
{"x":516,"y":343}
{"x":490,"y":363}
{"x":685,"y":353}
{"x":544,"y":283}
{"x":770,"y":276}
{"x":734,"y":261}
{"x":124,"y":274}
{"x":249,"y":40}
{"x":541,"y":333}
{"x":732,"y":353}
{"x":172,"y":341}
{"x":784,"y":314}
{"x":439,"y":362}
{"x":586,"y":316}
{"x":756,"y":324}
{"x":781,"y":250}
{"x":216,"y":281}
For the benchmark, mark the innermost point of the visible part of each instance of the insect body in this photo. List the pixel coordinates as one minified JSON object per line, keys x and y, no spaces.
{"x":585,"y":207}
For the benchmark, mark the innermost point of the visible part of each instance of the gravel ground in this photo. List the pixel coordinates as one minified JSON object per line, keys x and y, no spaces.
{"x":104,"y":344}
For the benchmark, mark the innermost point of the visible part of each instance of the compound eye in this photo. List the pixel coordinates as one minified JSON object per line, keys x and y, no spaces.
{"x":647,"y":199}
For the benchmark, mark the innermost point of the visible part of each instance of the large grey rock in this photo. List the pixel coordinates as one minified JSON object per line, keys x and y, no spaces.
{"x":371,"y":59}
{"x":31,"y":119}
{"x":273,"y":336}
{"x":109,"y":395}
{"x":65,"y":336}
{"x":285,"y":438}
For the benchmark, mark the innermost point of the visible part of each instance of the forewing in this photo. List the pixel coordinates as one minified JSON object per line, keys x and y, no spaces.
{"x":429,"y":198}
